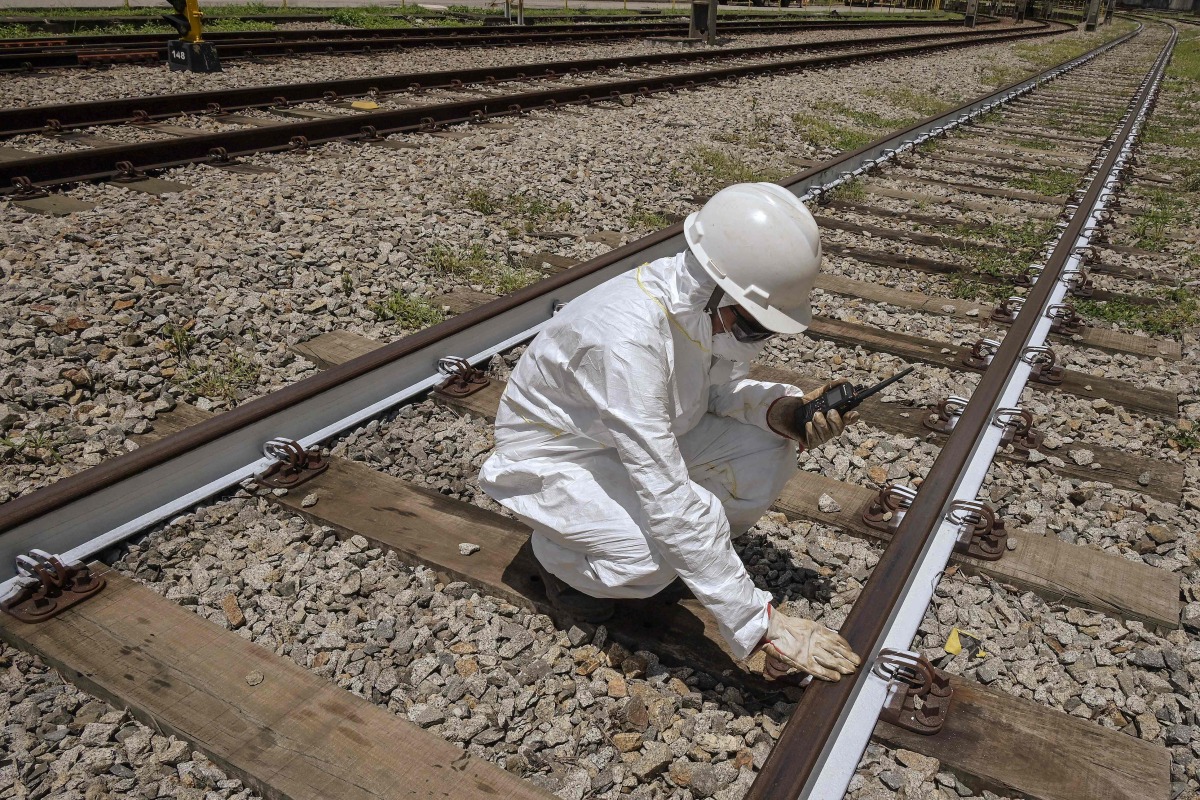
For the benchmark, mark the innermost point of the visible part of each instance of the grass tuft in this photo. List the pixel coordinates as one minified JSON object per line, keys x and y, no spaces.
{"x":922,"y":104}
{"x":479,"y":200}
{"x":478,"y":267}
{"x":229,"y":379}
{"x":455,"y":262}
{"x":648,"y":220}
{"x":1176,"y":310}
{"x":717,"y":169}
{"x":32,"y":446}
{"x":823,"y":132}
{"x":411,"y":312}
{"x":1182,"y":436}
{"x":854,"y":191}
{"x":1054,"y":182}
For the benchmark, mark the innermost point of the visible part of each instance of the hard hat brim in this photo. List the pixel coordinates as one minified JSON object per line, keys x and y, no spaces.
{"x":792,"y":320}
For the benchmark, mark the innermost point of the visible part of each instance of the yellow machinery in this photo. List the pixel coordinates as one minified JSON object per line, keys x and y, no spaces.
{"x":190,"y":52}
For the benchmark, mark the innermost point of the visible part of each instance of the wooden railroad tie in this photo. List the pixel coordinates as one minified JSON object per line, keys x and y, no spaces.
{"x":282,"y":730}
{"x":998,"y":740}
{"x":1046,"y":565}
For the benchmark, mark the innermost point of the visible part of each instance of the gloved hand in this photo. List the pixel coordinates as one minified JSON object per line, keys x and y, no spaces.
{"x":782,"y":418}
{"x":794,"y":643}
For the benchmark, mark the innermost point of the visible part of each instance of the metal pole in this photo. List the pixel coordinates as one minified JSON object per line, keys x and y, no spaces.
{"x":1108,"y":11}
{"x":712,"y":21}
{"x":1093,"y":15}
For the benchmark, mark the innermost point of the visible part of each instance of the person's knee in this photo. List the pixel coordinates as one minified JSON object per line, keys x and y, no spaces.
{"x":773,"y":469}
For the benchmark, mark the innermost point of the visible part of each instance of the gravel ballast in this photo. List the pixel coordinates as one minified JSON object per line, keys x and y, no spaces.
{"x":564,"y":709}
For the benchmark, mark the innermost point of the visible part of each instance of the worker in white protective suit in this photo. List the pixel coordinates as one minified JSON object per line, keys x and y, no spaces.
{"x":633,"y":444}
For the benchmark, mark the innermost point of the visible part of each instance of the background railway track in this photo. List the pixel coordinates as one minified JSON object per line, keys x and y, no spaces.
{"x":86,"y":51}
{"x":36,"y":119}
{"x":173,"y":145}
{"x":979,"y":602}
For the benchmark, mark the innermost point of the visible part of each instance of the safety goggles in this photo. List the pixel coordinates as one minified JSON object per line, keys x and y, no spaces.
{"x":746,"y":329}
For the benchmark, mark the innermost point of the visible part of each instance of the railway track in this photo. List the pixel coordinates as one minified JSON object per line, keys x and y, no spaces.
{"x":85,"y":51}
{"x":987,"y":734}
{"x":63,"y":24}
{"x":176,"y":145}
{"x":71,"y":116}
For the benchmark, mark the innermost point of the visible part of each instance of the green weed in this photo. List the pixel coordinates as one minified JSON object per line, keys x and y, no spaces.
{"x":535,"y":210}
{"x":237,"y":25}
{"x":32,"y":446}
{"x":1182,"y":435}
{"x":1166,"y":209}
{"x":997,"y":75}
{"x":1177,"y":309}
{"x":228,"y":380}
{"x":963,"y":287}
{"x":1025,"y":239}
{"x":510,"y":279}
{"x":717,"y":169}
{"x":477,"y":266}
{"x":413,"y":313}
{"x":922,"y":103}
{"x":854,"y":191}
{"x":865,"y":126}
{"x":1000,"y":264}
{"x":820,"y":133}
{"x":454,"y":262}
{"x":371,"y":17}
{"x":648,"y":220}
{"x":479,"y":200}
{"x":1054,"y":182}
{"x":179,"y":339}
{"x":866,"y":119}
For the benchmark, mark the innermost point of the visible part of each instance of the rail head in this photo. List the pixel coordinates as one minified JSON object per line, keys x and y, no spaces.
{"x":832,"y":723}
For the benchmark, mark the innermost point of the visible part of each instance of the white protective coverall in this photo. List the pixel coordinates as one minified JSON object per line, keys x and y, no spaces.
{"x":633,"y":453}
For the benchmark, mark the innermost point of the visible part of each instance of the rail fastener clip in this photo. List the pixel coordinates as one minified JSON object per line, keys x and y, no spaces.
{"x":920,"y":694}
{"x":55,"y":588}
{"x":462,"y":379}
{"x":293,"y":464}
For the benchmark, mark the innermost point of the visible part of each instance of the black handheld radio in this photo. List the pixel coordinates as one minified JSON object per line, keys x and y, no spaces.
{"x":842,"y":398}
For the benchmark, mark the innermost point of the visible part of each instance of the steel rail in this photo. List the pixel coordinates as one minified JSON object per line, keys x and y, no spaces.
{"x":38,"y":119}
{"x":105,"y":162}
{"x":824,"y":739}
{"x":263,"y":43}
{"x":80,"y":515}
{"x":366,"y":34}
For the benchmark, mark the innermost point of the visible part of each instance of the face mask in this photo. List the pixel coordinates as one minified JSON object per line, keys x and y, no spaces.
{"x":725,"y":346}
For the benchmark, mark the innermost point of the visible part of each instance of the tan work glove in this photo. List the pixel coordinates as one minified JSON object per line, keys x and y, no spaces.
{"x":795,"y":644}
{"x":782,"y":418}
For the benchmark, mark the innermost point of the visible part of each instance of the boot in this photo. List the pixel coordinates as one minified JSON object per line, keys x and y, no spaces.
{"x":573,"y":602}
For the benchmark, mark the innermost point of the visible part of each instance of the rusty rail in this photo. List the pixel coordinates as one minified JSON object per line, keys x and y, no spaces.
{"x":54,"y":52}
{"x":817,"y":721}
{"x":38,"y":119}
{"x":102,"y":163}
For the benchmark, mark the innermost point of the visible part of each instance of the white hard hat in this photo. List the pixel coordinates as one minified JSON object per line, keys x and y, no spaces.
{"x":762,"y":247}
